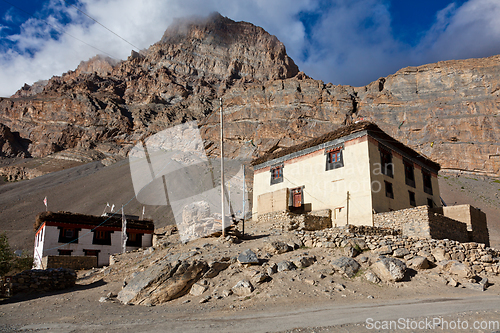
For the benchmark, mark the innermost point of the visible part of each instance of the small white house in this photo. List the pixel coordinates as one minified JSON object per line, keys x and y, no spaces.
{"x":69,"y":234}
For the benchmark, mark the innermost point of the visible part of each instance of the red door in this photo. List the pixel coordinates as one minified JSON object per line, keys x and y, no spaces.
{"x":297,"y":197}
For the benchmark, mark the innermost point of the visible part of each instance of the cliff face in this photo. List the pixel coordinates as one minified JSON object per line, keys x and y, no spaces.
{"x":449,"y":109}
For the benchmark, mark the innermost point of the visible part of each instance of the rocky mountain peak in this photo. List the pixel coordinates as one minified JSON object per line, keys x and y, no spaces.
{"x":218,"y":46}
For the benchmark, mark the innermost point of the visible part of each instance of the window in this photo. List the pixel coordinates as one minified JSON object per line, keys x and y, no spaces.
{"x":68,"y":235}
{"x":386,"y":162}
{"x":426,"y":175}
{"x":102,"y":237}
{"x":412,"y":198}
{"x":430,"y":202}
{"x":277,"y":174}
{"x":134,"y":239}
{"x":92,"y":253}
{"x":65,"y":252}
{"x":388,"y":190}
{"x":409,"y":174}
{"x":334,"y":158}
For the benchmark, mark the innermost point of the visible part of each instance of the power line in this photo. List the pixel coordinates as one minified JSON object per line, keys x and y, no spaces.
{"x":60,"y":30}
{"x":93,"y":19}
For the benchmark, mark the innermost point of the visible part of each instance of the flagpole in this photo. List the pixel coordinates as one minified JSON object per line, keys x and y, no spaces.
{"x":222,"y":167}
{"x":124,"y":231}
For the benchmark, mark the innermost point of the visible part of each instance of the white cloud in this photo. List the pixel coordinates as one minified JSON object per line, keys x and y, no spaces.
{"x":351,"y":43}
{"x":470,"y":31}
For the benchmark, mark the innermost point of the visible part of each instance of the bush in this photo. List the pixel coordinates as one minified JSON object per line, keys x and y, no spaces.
{"x":9,"y":262}
{"x":6,"y":255}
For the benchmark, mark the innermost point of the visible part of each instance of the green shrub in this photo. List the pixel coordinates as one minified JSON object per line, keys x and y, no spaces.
{"x":6,"y":255}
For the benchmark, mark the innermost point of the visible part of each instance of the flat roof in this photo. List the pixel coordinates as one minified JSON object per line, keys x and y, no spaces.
{"x":91,"y":220}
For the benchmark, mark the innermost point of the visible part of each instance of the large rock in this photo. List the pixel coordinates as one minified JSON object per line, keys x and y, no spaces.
{"x":285,"y":266}
{"x":456,"y":268}
{"x":304,"y":261}
{"x":215,"y":267}
{"x":345,"y":265}
{"x":242,"y":288}
{"x":277,"y":247}
{"x":248,"y":257}
{"x":162,"y":282}
{"x":418,"y":263}
{"x":389,"y":269}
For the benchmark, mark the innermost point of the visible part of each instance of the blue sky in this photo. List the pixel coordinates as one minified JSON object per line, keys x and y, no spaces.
{"x":340,"y":41}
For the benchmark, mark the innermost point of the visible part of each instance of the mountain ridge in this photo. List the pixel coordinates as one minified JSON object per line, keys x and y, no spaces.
{"x":447,"y":110}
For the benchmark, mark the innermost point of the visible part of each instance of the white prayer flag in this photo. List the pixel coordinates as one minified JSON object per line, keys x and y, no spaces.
{"x":124,"y":232}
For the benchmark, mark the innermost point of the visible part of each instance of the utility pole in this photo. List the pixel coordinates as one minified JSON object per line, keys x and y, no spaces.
{"x":347,"y":212}
{"x":222,"y":167}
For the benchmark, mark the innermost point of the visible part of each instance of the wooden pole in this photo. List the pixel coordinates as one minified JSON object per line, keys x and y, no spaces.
{"x":222,"y":167}
{"x":347,"y":213}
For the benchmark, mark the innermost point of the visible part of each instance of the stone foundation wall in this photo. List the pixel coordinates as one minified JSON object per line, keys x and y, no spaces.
{"x":288,"y":221}
{"x":422,"y":222}
{"x":411,"y":217}
{"x":38,"y":280}
{"x":72,"y":262}
{"x":442,"y":227}
{"x":476,"y":256}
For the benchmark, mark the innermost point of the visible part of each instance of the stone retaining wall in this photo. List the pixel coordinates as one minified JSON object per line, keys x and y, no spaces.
{"x":422,"y":222}
{"x":288,"y":221}
{"x":72,"y":262}
{"x":38,"y":280}
{"x":476,"y":256}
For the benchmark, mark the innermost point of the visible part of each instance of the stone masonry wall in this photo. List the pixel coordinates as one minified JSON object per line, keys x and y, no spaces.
{"x":409,"y":221}
{"x":72,"y":262}
{"x":442,"y":227}
{"x":38,"y":280}
{"x":476,"y":256}
{"x":422,"y":222}
{"x":286,"y":220}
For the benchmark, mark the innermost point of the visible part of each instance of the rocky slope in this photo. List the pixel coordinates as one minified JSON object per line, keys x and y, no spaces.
{"x":448,"y":111}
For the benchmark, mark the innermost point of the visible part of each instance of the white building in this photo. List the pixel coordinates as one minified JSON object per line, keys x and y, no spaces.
{"x":355,"y":171}
{"x":68,"y":234}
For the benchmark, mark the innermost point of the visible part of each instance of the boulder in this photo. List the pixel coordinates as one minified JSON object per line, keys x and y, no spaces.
{"x":285,"y":266}
{"x":162,"y":282}
{"x":389,"y":269}
{"x":400,"y":253}
{"x":350,"y":251}
{"x":347,"y":266}
{"x":242,"y":288}
{"x":198,"y":289}
{"x":418,"y":263}
{"x":475,"y":286}
{"x":440,"y":254}
{"x":273,"y":269}
{"x":383,"y":250}
{"x":371,"y":277}
{"x":248,"y":257}
{"x":260,"y":278}
{"x":304,"y":261}
{"x":456,"y":268}
{"x":215,"y":268}
{"x":277,"y":247}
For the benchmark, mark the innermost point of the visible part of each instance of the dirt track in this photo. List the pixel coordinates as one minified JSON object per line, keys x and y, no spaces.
{"x":79,"y":311}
